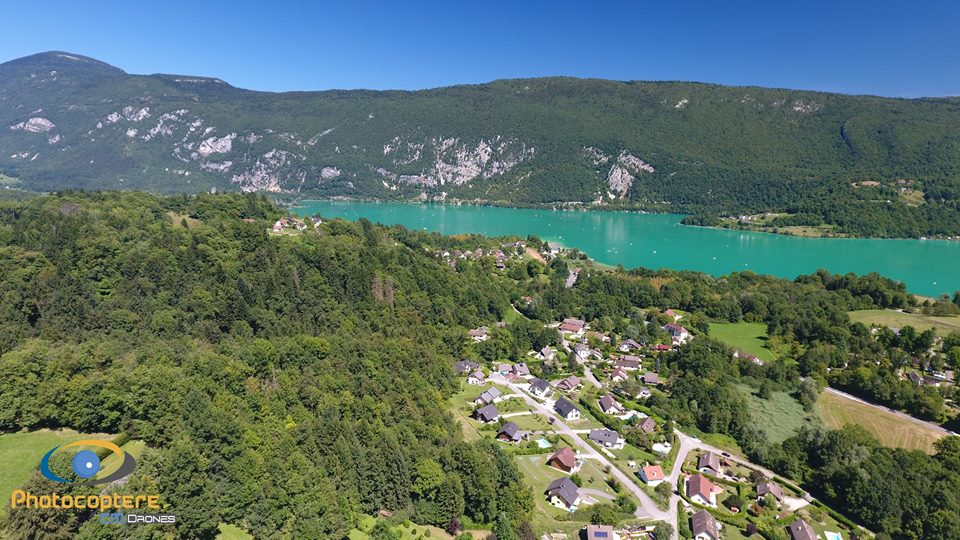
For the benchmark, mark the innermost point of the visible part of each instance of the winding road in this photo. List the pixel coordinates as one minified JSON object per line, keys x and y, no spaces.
{"x":647,"y":508}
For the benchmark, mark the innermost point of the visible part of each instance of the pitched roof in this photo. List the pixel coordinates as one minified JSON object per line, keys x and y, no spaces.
{"x":565,"y":456}
{"x":564,"y":407}
{"x":478,"y":332}
{"x":651,"y":378}
{"x":653,"y":473}
{"x":703,"y":523}
{"x":619,"y":372}
{"x":607,"y":403}
{"x":801,"y":530}
{"x":565,"y":489}
{"x":521,"y":369}
{"x":488,"y":413}
{"x":631,"y":362}
{"x":511,"y":430}
{"x":539,"y":386}
{"x":465,"y":366}
{"x":699,"y":484}
{"x":600,"y":532}
{"x":770,"y":487}
{"x":570,"y":382}
{"x":709,"y":460}
{"x":629,"y":344}
{"x":648,"y":425}
{"x":478,"y":374}
{"x":675,"y":329}
{"x":489,"y":395}
{"x":546,"y":351}
{"x":604,"y":436}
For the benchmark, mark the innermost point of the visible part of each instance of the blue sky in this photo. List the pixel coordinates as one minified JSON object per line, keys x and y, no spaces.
{"x":907,"y":49}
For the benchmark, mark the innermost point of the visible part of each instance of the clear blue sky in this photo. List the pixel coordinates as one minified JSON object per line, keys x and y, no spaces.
{"x":905,"y":48}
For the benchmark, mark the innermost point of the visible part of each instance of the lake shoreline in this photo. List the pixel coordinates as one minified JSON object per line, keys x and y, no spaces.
{"x":659,"y":241}
{"x":593,"y":207}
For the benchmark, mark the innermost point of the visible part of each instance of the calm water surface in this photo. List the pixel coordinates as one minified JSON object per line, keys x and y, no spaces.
{"x":928,"y":267}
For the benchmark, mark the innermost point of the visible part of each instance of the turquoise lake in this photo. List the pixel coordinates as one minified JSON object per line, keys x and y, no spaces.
{"x":928,"y":267}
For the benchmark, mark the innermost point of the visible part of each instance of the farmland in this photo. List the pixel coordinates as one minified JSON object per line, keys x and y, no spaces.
{"x":890,"y":429}
{"x":897,"y":319}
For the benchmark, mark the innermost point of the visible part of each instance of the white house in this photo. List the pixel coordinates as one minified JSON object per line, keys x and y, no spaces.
{"x":652,"y":475}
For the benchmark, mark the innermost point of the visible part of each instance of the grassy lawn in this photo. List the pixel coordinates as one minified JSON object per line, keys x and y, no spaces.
{"x":896,"y":319}
{"x":177,"y":220}
{"x":748,"y":337}
{"x":889,"y":428}
{"x":545,"y":518}
{"x":461,"y":405}
{"x":779,"y":417}
{"x":531,"y":422}
{"x":512,"y":405}
{"x":232,"y":532}
{"x":512,"y":315}
{"x":406,"y":531}
{"x":112,"y":462}
{"x":20,"y":454}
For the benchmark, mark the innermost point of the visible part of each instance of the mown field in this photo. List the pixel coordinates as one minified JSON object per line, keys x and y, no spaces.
{"x":896,"y":319}
{"x":748,"y":337}
{"x":890,"y":429}
{"x":20,"y":454}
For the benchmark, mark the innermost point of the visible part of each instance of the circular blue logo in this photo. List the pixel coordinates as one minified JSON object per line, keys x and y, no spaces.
{"x":86,"y":464}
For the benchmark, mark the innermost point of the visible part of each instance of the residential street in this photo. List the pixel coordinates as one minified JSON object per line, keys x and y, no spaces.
{"x":646,"y":508}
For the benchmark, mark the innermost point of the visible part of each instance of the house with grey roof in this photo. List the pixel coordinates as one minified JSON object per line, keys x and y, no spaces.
{"x":704,"y":526}
{"x":509,"y":432}
{"x":564,"y":494}
{"x":769,"y":488}
{"x":609,"y":405}
{"x":566,"y":409}
{"x":487,"y":414}
{"x":709,"y":463}
{"x":540,"y":388}
{"x":488,"y":396}
{"x":600,"y":532}
{"x":477,"y":378}
{"x":648,"y":425}
{"x":464,"y":367}
{"x":607,"y":438}
{"x":801,"y":530}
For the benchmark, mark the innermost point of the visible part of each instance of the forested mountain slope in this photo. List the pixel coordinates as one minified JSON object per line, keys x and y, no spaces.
{"x":291,"y":384}
{"x":68,"y":121}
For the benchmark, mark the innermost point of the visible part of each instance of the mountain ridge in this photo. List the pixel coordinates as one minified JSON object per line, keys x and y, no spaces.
{"x":69,"y":121}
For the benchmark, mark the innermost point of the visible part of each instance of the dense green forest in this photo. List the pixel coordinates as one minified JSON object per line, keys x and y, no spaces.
{"x":865,"y":165}
{"x":274,"y":390}
{"x":290,"y":384}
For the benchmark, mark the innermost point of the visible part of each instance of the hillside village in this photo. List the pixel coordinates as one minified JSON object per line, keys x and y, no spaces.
{"x":577,"y":414}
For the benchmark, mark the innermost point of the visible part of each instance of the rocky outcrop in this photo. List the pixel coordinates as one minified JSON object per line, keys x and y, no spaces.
{"x":271,"y":172}
{"x":35,"y":124}
{"x":216,"y":145}
{"x":622,"y":174}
